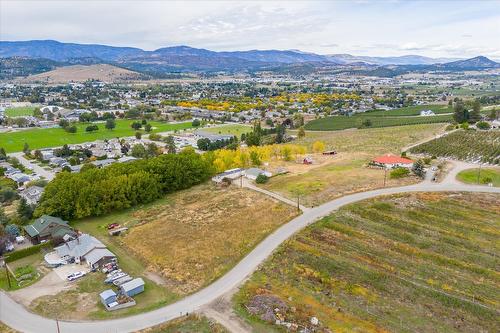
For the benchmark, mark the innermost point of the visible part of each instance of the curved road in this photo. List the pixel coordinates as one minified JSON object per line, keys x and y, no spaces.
{"x":17,"y":317}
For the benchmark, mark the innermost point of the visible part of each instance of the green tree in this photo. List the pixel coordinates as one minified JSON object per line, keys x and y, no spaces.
{"x":418,"y":168}
{"x":138,"y":151}
{"x":26,"y":149}
{"x":170,"y":144}
{"x":71,"y":129}
{"x":24,"y":210}
{"x":138,"y":135}
{"x":3,"y":154}
{"x":110,"y":124}
{"x":302,"y":132}
{"x":148,"y":127}
{"x":475,"y":114}
{"x":460,"y":113}
{"x":136,"y":125}
{"x":196,"y":123}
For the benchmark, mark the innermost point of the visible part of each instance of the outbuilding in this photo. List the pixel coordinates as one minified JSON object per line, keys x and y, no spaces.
{"x":107,"y":297}
{"x":134,"y":287}
{"x":253,"y":173}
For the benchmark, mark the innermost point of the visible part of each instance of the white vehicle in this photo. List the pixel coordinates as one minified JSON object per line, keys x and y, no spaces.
{"x":75,"y":276}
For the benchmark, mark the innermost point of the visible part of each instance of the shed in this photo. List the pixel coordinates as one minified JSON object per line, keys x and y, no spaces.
{"x":107,"y":296}
{"x":134,"y":287}
{"x":253,"y":173}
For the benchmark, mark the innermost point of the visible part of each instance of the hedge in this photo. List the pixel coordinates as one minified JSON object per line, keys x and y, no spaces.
{"x":27,"y":251}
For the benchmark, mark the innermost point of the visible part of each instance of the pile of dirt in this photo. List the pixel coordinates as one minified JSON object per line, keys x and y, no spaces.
{"x":267,"y":307}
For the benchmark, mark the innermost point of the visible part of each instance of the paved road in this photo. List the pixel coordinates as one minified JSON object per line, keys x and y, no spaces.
{"x":49,"y":175}
{"x":16,"y":316}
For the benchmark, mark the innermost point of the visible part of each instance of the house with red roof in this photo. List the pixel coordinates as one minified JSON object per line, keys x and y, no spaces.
{"x":390,"y":161}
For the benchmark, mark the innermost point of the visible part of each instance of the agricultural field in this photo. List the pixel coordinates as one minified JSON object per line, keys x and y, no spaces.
{"x":334,"y":176}
{"x":20,"y":111}
{"x":401,"y":263}
{"x":191,"y":324}
{"x":54,"y":137}
{"x":485,"y":176}
{"x":235,"y":130}
{"x":376,"y":119}
{"x":464,"y":145}
{"x":411,"y":110}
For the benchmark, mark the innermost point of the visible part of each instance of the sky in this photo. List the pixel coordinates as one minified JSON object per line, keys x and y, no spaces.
{"x":376,"y":28}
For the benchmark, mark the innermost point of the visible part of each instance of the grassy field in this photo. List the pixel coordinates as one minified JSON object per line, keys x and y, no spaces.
{"x":176,"y":244}
{"x":377,"y":119}
{"x":236,"y":130}
{"x":5,"y":329}
{"x":192,"y":242}
{"x":53,"y":137}
{"x":191,"y":324}
{"x":20,"y":111}
{"x":422,"y":262}
{"x":411,"y":110}
{"x":486,"y":175}
{"x":464,"y":145}
{"x":347,"y":172}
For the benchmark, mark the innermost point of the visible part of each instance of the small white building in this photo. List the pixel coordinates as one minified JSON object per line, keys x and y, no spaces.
{"x":253,"y":173}
{"x":425,"y":113}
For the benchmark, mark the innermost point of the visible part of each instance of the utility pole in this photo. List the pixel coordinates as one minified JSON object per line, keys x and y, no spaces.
{"x":385,"y":175}
{"x":298,"y":202}
{"x":8,"y":275}
{"x":57,"y":323}
{"x":479,"y":174}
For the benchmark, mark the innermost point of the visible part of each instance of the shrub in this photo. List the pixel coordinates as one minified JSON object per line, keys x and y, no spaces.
{"x":483,"y":125}
{"x":261,"y":179}
{"x":399,"y":173}
{"x":27,"y":251}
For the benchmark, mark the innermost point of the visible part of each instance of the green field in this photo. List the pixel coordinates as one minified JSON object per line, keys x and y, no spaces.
{"x":464,"y":145}
{"x":377,"y":120}
{"x":411,"y":110}
{"x":485,"y":176}
{"x":20,"y":111}
{"x":53,"y":137}
{"x":423,"y":262}
{"x":236,"y":130}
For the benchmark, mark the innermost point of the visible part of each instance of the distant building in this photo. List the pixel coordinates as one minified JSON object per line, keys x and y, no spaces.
{"x":32,"y":194}
{"x":48,"y":228}
{"x":426,"y":113}
{"x":390,"y":161}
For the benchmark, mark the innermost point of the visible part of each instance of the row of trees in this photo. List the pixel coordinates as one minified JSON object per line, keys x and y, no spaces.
{"x":95,"y":192}
{"x":206,"y":144}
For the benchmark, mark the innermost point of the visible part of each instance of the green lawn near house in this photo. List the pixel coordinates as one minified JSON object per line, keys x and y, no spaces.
{"x":485,"y":175}
{"x":54,"y":137}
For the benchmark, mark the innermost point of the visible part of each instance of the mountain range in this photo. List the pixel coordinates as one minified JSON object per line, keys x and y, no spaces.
{"x":16,"y":54}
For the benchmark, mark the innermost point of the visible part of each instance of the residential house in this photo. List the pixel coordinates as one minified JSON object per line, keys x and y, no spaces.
{"x":85,"y":248}
{"x":390,"y":161}
{"x":32,"y":194}
{"x":48,"y":228}
{"x":253,"y":173}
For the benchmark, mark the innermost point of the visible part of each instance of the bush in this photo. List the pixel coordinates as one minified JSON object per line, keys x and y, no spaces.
{"x":427,"y":160}
{"x":261,"y":179}
{"x":16,"y":255}
{"x":399,"y":173}
{"x":483,"y":125}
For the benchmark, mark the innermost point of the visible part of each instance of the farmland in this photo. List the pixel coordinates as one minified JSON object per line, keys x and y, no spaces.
{"x":53,"y":137}
{"x":411,"y":110}
{"x":485,"y":175}
{"x":347,"y":172}
{"x":20,"y":111}
{"x":344,"y":122}
{"x":464,"y":145}
{"x":407,"y":263}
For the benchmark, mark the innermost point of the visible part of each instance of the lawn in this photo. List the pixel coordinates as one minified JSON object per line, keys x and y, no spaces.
{"x":20,"y":111}
{"x":30,"y":265}
{"x":191,"y":324}
{"x":347,"y":172}
{"x":423,"y":262}
{"x":232,"y":129}
{"x":54,"y":137}
{"x":377,"y":120}
{"x":464,"y":145}
{"x":486,"y":175}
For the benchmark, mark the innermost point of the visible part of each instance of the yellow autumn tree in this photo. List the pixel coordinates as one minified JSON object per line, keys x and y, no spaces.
{"x":318,"y":147}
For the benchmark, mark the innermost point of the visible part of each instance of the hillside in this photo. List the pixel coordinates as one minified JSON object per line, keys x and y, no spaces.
{"x":81,"y":73}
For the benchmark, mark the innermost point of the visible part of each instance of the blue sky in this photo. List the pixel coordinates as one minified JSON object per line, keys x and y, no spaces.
{"x":385,"y":28}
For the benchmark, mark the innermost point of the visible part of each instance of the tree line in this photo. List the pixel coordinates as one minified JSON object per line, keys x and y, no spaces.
{"x":94,"y":192}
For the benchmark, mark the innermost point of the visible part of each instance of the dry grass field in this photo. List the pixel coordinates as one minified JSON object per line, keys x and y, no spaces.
{"x":346,"y":172}
{"x":201,"y":233}
{"x":191,"y":324}
{"x":423,"y":262}
{"x":81,"y":73}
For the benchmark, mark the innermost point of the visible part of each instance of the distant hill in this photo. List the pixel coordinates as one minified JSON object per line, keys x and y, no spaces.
{"x":37,"y":56}
{"x":81,"y":73}
{"x":476,"y":63}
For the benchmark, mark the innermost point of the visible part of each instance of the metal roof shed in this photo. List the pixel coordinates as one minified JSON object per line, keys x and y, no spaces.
{"x":107,"y":296}
{"x":134,"y":287}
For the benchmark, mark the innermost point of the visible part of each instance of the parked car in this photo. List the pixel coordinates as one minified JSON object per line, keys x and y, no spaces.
{"x":75,"y":276}
{"x":112,"y":226}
